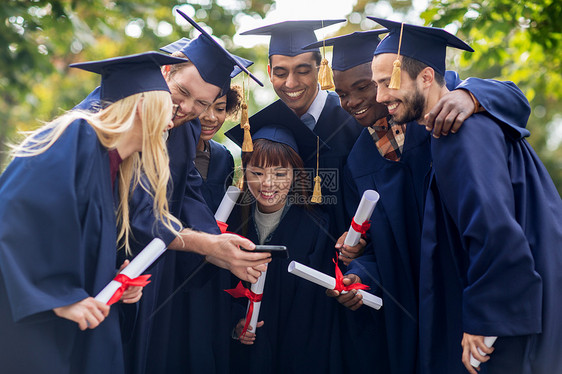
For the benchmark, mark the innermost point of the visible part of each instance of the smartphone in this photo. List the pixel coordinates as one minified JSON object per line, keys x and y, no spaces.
{"x":277,"y":251}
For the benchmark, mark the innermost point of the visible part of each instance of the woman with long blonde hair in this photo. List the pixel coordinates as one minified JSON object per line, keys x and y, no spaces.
{"x":62,"y":216}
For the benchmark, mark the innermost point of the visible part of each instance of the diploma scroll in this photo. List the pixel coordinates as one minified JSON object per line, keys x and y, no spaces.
{"x":136,"y":267}
{"x":489,"y":341}
{"x":227,"y":203}
{"x":256,"y":288}
{"x":364,"y":211}
{"x":329,"y":282}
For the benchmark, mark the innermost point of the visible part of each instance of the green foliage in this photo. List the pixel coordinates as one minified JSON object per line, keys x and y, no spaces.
{"x":521,"y":42}
{"x":39,"y":39}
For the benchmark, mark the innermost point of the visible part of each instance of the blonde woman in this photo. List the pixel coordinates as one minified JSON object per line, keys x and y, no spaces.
{"x":63,"y":209}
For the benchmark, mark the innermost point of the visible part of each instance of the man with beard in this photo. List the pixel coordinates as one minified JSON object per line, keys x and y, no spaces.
{"x":393,"y":158}
{"x":492,"y":224}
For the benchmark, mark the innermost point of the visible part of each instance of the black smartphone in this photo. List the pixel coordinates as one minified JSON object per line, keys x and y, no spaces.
{"x":277,"y":251}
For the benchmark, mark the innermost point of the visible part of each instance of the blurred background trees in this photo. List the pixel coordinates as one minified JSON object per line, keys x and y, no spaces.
{"x":518,"y":41}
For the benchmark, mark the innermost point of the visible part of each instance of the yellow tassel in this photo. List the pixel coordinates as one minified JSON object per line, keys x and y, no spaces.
{"x":247,"y":145}
{"x":395,"y":80}
{"x":325,"y":77}
{"x":317,"y":193}
{"x":395,"y":77}
{"x":240,"y":181}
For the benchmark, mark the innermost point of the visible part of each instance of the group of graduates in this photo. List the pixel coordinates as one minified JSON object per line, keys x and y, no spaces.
{"x":464,"y":243}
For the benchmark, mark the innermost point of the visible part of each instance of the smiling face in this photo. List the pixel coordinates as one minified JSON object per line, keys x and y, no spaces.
{"x":404,"y":104}
{"x":269,"y":185}
{"x":190,"y":92}
{"x":213,"y":118}
{"x":358,"y":94}
{"x":295,"y":80}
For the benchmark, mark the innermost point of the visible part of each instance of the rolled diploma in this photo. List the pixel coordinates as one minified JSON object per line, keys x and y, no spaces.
{"x":364,"y":211}
{"x":329,"y":282}
{"x":136,"y":267}
{"x":489,"y":341}
{"x":256,"y":288}
{"x":227,"y":203}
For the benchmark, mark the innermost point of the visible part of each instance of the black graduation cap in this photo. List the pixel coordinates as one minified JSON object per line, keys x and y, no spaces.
{"x":352,"y":49}
{"x":422,"y":43}
{"x":182,"y":43}
{"x":214,"y":63}
{"x":128,"y":75}
{"x":288,"y":37}
{"x":278,"y":123}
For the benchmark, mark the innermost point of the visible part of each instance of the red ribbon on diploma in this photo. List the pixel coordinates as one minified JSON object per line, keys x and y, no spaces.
{"x":126,"y":282}
{"x":222,"y":226}
{"x":361,"y":229}
{"x":339,"y":281}
{"x":241,"y":291}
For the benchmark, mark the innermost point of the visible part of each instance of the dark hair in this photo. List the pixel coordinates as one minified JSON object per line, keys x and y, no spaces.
{"x":269,"y":153}
{"x":233,"y":100}
{"x":414,"y":67}
{"x":315,"y":54}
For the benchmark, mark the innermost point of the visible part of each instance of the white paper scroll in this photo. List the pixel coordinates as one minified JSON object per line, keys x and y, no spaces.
{"x":136,"y":267}
{"x":227,"y":203}
{"x":329,"y":282}
{"x":256,"y":288}
{"x":489,"y":341}
{"x":364,"y":211}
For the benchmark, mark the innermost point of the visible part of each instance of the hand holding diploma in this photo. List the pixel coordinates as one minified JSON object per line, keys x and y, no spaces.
{"x":130,"y":275}
{"x":476,"y":349}
{"x":331,"y":283}
{"x":360,"y":222}
{"x":254,"y":295}
{"x":353,"y":299}
{"x":347,"y":253}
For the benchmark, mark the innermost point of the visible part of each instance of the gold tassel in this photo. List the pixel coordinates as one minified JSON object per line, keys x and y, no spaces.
{"x":396,"y":75}
{"x":317,"y":192}
{"x":240,"y":181}
{"x":247,"y":145}
{"x":325,"y":77}
{"x":395,"y":80}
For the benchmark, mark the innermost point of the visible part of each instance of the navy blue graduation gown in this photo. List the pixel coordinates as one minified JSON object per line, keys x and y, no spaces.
{"x":144,"y":330}
{"x":200,"y":342}
{"x":57,"y":247}
{"x":491,"y":254}
{"x":339,"y":131}
{"x":300,"y":334}
{"x":391,"y":263}
{"x":147,"y":348}
{"x":219,"y":175}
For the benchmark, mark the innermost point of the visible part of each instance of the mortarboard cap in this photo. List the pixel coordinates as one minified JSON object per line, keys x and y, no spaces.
{"x":352,"y":49}
{"x":278,"y":123}
{"x":182,"y":43}
{"x":128,"y":75}
{"x":288,"y":37}
{"x":214,"y":63}
{"x":422,"y":43}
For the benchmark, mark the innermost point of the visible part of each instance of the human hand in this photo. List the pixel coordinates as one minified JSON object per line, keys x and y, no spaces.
{"x":133,"y":293}
{"x":236,"y":251}
{"x":352,"y":299}
{"x":347,"y":253}
{"x":471,"y":344}
{"x":249,"y":337}
{"x":87,"y":313}
{"x":449,"y":113}
{"x":249,"y":274}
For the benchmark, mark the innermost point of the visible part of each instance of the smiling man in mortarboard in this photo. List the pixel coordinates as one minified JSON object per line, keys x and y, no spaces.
{"x":490,"y":250}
